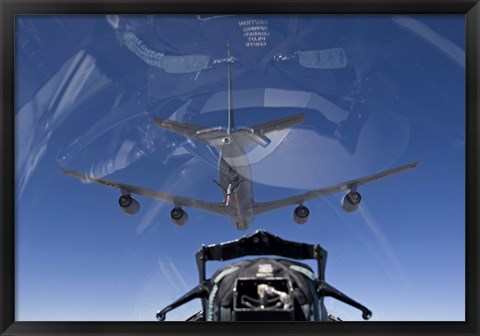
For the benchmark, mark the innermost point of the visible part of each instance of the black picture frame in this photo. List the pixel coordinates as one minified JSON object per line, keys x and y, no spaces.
{"x":10,"y":8}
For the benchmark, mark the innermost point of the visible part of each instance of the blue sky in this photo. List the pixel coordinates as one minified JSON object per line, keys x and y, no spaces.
{"x":377,"y":92}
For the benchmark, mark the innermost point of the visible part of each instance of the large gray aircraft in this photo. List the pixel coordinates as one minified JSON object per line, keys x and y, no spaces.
{"x":235,"y":176}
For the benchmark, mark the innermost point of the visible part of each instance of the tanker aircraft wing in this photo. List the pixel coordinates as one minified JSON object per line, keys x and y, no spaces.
{"x":178,"y":201}
{"x":351,"y":186}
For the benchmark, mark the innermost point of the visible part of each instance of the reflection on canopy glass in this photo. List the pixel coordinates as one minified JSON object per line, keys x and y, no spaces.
{"x":261,"y":122}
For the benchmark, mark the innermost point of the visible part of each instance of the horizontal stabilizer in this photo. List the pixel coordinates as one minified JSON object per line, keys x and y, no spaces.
{"x":258,"y":133}
{"x":214,"y":136}
{"x":262,"y":130}
{"x":218,"y":136}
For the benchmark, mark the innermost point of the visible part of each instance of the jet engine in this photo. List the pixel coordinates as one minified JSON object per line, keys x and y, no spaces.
{"x":351,"y":201}
{"x":128,"y":204}
{"x":179,"y":216}
{"x":300,"y":214}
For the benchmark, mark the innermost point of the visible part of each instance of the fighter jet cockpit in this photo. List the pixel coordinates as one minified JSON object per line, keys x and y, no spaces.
{"x":143,"y":140}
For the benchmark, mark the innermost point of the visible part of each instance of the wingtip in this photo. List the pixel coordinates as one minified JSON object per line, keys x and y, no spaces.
{"x":68,"y":172}
{"x":71,"y":172}
{"x":300,"y":115}
{"x":161,"y":122}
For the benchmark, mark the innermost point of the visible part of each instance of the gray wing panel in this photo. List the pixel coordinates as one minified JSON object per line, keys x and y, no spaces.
{"x":210,"y":135}
{"x":215,"y":207}
{"x":262,"y":207}
{"x":187,"y":130}
{"x":279,"y":124}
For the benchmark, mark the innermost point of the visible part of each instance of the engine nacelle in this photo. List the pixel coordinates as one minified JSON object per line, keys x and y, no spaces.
{"x":179,"y":216}
{"x":300,"y":214}
{"x":351,"y":201}
{"x":128,"y":204}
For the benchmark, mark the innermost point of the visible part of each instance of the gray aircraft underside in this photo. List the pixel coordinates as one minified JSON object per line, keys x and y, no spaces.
{"x":234,"y":173}
{"x":235,"y":177}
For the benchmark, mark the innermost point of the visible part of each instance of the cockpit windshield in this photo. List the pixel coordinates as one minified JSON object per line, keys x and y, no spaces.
{"x":220,"y":116}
